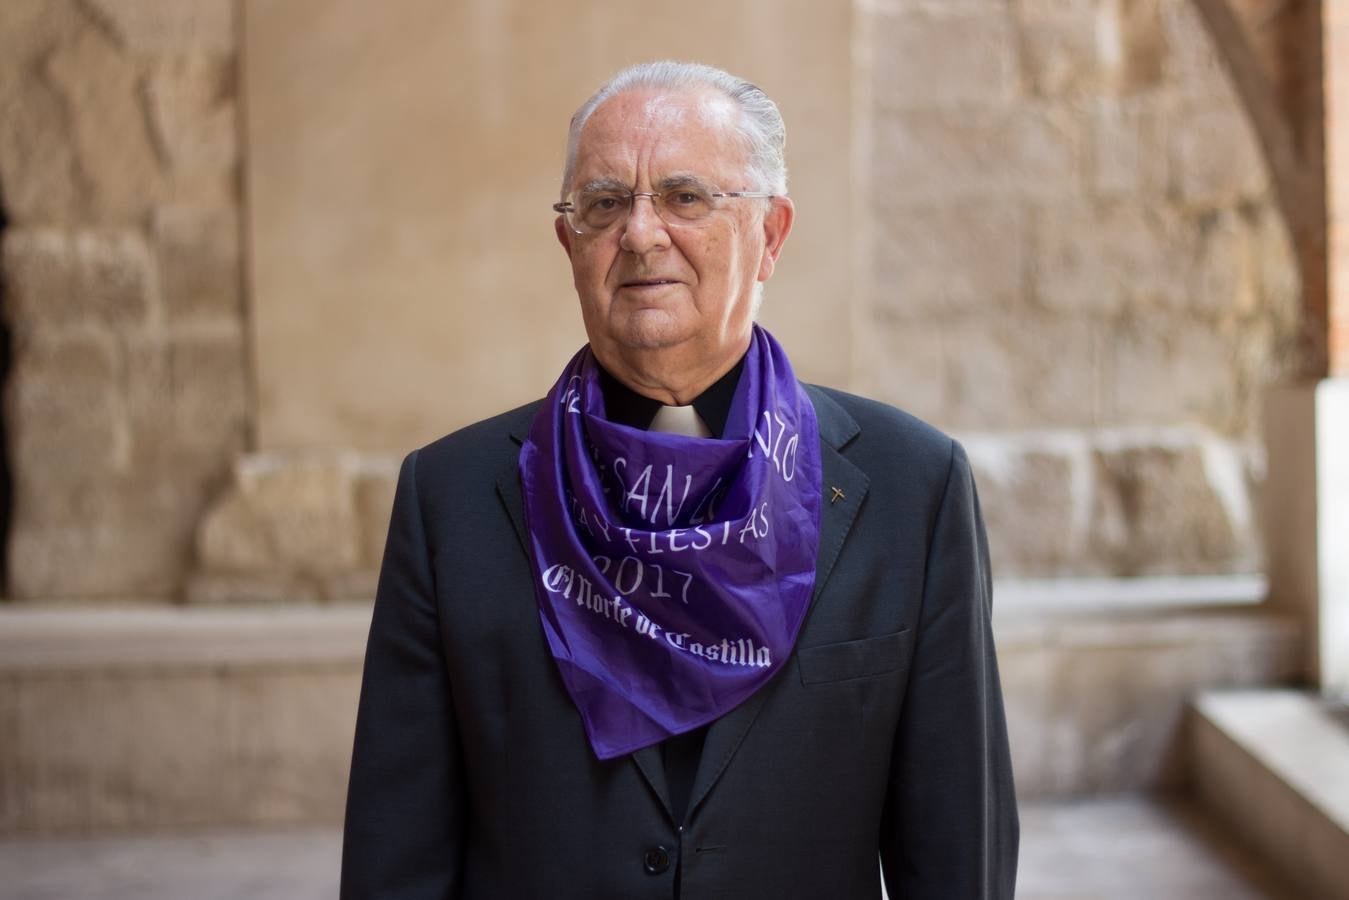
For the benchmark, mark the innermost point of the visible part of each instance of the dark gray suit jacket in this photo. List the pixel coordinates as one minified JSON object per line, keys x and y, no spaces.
{"x":472,"y":776}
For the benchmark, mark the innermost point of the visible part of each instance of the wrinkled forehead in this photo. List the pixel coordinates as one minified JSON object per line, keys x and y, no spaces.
{"x":652,"y":134}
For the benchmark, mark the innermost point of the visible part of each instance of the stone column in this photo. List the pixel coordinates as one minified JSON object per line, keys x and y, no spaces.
{"x":1307,"y":425}
{"x":1332,"y":395}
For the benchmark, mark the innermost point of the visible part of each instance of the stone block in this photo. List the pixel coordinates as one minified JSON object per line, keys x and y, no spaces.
{"x":58,"y":279}
{"x":40,"y":276}
{"x":193,"y":113}
{"x":1058,"y":48}
{"x":208,"y":392}
{"x":199,"y":264}
{"x":902,"y":362}
{"x":946,"y":258}
{"x":1162,"y":508}
{"x":1170,"y":367}
{"x":115,"y":279}
{"x":119,"y":168}
{"x":375,"y":486}
{"x":1030,"y":505}
{"x":62,"y":410}
{"x":1131,"y":44}
{"x":129,"y":533}
{"x":234,"y":538}
{"x":1192,"y":61}
{"x":1214,"y":158}
{"x":1128,"y":148}
{"x":252,"y":588}
{"x":37,"y":151}
{"x":1010,"y":370}
{"x":285,"y":514}
{"x":171,"y":26}
{"x":355,"y":586}
{"x":978,"y":153}
{"x":1103,"y":257}
{"x":957,"y":56}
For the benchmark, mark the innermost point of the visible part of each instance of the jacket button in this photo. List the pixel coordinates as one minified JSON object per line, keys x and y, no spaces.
{"x":656,"y":860}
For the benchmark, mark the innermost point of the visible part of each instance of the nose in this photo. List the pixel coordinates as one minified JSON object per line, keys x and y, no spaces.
{"x":644,"y":230}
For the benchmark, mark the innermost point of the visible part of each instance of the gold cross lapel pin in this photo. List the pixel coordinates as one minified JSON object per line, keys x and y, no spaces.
{"x":837,"y":495}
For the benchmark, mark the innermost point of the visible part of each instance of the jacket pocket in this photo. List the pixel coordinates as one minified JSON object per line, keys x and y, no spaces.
{"x":861,"y":658}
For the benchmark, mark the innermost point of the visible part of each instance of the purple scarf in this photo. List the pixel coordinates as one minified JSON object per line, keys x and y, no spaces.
{"x":672,"y":573}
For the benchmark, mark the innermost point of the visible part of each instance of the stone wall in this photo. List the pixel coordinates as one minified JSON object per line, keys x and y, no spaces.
{"x":1071,"y":228}
{"x":1066,"y":252}
{"x":127,"y":398}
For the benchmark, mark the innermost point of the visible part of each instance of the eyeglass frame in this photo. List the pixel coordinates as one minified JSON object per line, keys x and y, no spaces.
{"x":563,"y":207}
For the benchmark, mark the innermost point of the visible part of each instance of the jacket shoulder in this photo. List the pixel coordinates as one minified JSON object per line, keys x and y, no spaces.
{"x":886,"y":431}
{"x":481,"y":448}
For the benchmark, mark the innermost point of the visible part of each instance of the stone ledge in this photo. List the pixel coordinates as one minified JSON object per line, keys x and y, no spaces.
{"x":33,"y":638}
{"x":1275,"y":765}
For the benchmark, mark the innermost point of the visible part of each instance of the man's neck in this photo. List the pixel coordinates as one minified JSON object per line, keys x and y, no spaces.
{"x":627,"y":407}
{"x":671,"y":385}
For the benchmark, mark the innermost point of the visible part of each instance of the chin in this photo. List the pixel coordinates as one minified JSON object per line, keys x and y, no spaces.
{"x":651,"y":330}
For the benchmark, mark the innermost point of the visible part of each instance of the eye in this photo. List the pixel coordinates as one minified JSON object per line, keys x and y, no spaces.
{"x":683,"y":198}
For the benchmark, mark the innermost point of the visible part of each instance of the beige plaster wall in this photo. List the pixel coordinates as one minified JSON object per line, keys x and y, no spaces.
{"x":405,"y":279}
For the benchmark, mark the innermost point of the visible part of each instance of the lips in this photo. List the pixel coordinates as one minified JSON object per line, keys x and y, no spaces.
{"x":648,"y":282}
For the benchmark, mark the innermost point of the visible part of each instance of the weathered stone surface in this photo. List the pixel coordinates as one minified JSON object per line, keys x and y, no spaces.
{"x":234,"y":537}
{"x":1214,"y":155}
{"x":251,"y":588}
{"x":978,"y":152}
{"x":1057,"y":44}
{"x":38,"y":168}
{"x":1007,"y":369}
{"x":1030,"y":506}
{"x":170,"y":26}
{"x":192,"y":111}
{"x":101,"y":90}
{"x":62,"y":407}
{"x":199,"y":264}
{"x":308,"y":507}
{"x":127,"y":530}
{"x":59,"y":279}
{"x":1164,"y":368}
{"x":39,"y":270}
{"x":375,"y":486}
{"x":976,"y":63}
{"x":1158,"y":508}
{"x":296,"y":529}
{"x":1101,"y":257}
{"x":910,"y":369}
{"x":1192,"y":59}
{"x":949,"y":257}
{"x":1130,"y":43}
{"x":1128,"y":148}
{"x":209,"y":405}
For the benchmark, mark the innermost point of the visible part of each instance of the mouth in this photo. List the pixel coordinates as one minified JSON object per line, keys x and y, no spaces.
{"x":648,"y":283}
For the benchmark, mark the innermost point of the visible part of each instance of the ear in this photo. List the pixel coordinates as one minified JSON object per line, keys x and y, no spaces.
{"x":777,"y":224}
{"x":564,"y":233}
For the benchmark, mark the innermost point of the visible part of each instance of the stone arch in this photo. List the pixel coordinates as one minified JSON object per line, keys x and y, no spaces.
{"x":1273,"y":53}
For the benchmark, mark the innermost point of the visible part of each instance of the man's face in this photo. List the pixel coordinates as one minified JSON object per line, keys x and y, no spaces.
{"x":648,"y":287}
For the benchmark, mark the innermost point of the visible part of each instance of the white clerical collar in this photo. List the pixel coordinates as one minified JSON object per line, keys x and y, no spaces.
{"x":680,"y":420}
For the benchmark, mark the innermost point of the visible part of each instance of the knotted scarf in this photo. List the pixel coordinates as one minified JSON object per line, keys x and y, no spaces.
{"x":672,"y":573}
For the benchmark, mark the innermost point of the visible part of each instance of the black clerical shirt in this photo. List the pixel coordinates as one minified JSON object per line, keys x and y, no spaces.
{"x":622,"y":404}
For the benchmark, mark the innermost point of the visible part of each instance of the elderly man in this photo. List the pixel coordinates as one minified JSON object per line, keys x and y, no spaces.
{"x":686,"y":627}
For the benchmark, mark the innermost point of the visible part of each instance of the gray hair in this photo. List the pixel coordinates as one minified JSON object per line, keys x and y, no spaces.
{"x":760,"y":126}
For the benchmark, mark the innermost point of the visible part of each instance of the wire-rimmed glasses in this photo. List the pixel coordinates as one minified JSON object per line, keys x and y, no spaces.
{"x":601,"y":206}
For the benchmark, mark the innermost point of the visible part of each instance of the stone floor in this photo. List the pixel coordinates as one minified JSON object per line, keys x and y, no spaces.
{"x":1095,"y":850}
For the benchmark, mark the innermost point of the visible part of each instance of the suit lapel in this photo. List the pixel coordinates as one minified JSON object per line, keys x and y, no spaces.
{"x":837,"y":514}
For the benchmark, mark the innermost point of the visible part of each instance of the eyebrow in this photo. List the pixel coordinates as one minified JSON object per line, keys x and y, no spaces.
{"x":599,"y":185}
{"x":609,"y":183}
